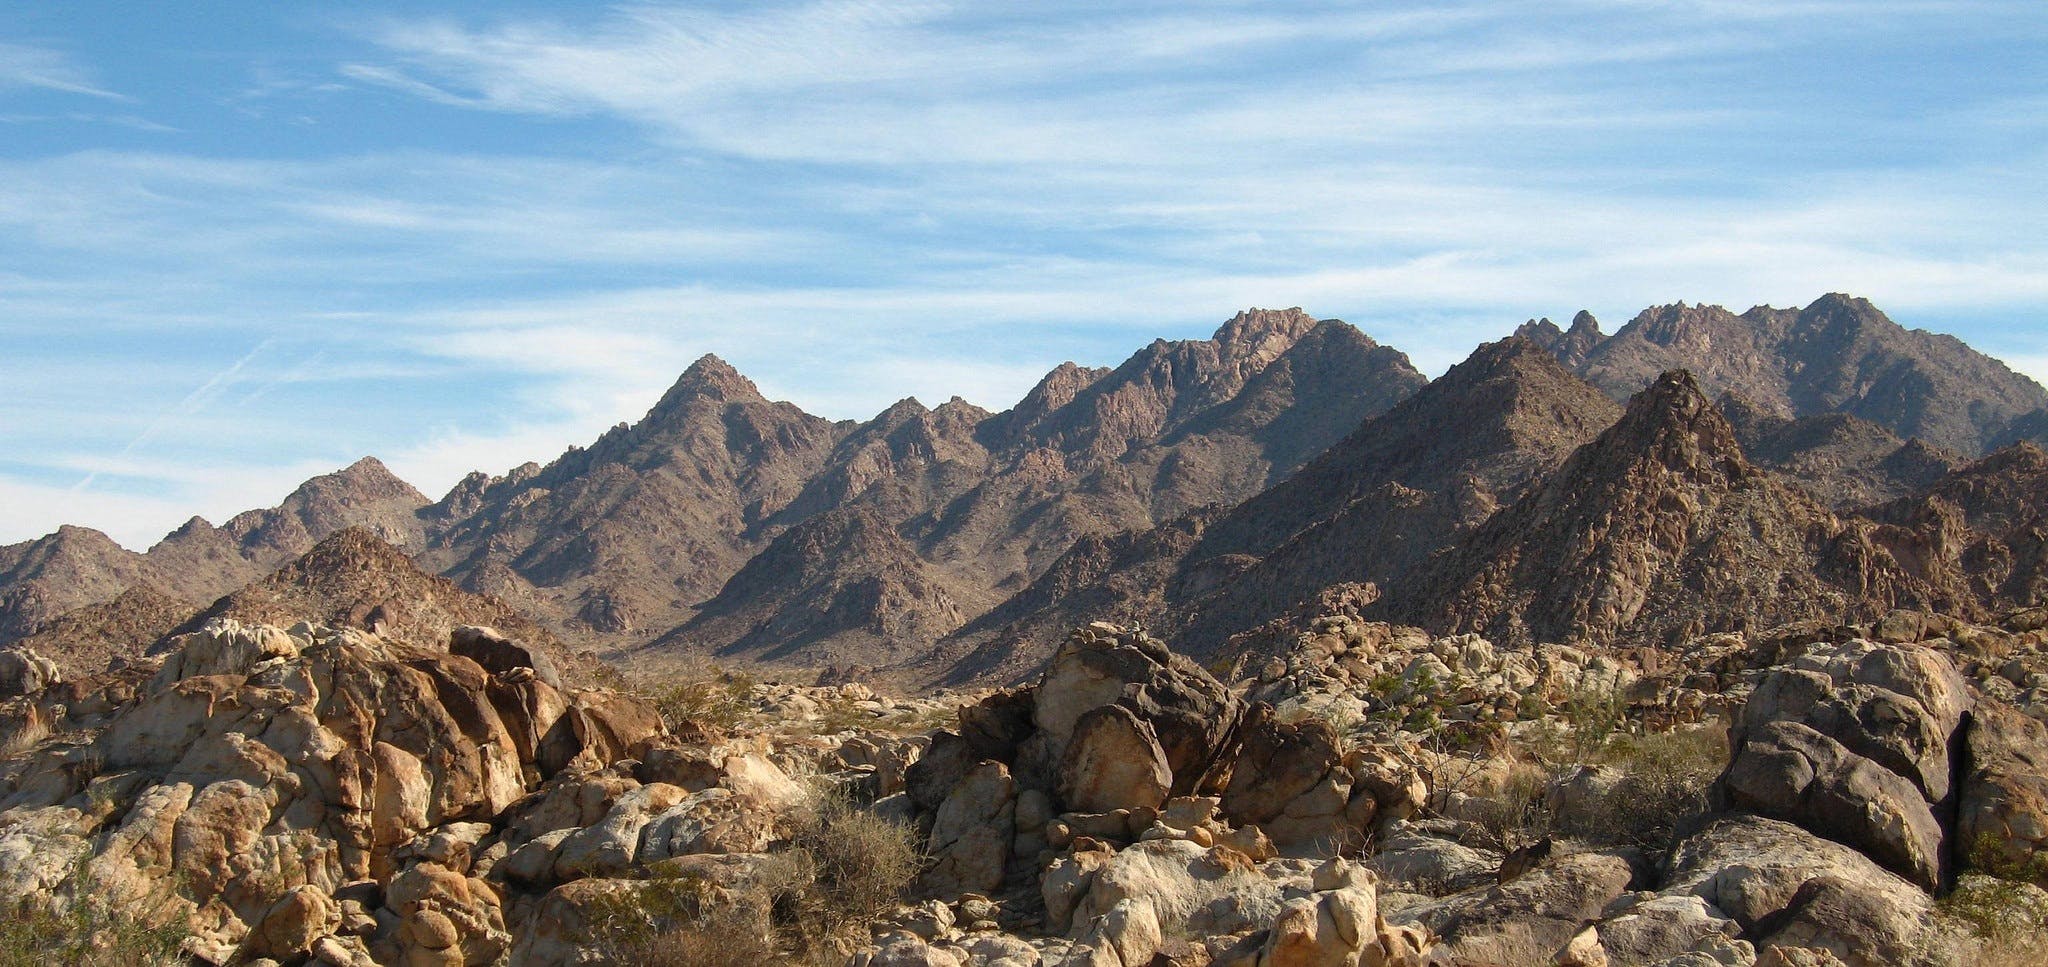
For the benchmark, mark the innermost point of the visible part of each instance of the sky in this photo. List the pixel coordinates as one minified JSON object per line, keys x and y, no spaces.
{"x":245,"y":243}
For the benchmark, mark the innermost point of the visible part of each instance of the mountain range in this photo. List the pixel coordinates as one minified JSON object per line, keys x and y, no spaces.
{"x":1697,"y":470}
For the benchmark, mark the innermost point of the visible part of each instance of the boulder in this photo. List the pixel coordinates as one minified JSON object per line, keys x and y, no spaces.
{"x":500,"y":655}
{"x":1790,"y":771}
{"x":23,"y":672}
{"x":1527,"y":920}
{"x":1757,"y":872}
{"x":972,"y":833}
{"x":1288,"y":781}
{"x":1114,"y":762}
{"x":2002,"y":814}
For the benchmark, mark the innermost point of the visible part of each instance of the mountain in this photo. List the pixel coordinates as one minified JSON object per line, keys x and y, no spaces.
{"x":353,"y":579}
{"x":924,"y":519}
{"x":1399,"y":487}
{"x":76,"y":567}
{"x":1837,"y":355}
{"x":1843,"y":461}
{"x":1202,"y":487}
{"x":625,"y":535}
{"x":1658,"y":529}
{"x":1978,"y":536}
{"x":69,"y":568}
{"x":83,"y":641}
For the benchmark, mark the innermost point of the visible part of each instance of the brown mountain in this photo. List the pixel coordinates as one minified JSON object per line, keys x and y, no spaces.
{"x":354,"y":579}
{"x":1838,"y":355}
{"x":202,"y":562}
{"x":922,"y":520}
{"x":1843,"y":461}
{"x":1659,"y":528}
{"x":67,"y":569}
{"x":1398,"y":488}
{"x":1977,"y":536}
{"x":83,"y":641}
{"x":652,"y":518}
{"x":76,"y":567}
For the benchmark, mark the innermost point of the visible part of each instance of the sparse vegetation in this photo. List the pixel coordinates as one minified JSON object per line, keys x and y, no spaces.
{"x":718,"y":701}
{"x":23,"y":736}
{"x":85,"y":931}
{"x":2004,"y":921}
{"x":842,"y":868}
{"x":1663,"y":780}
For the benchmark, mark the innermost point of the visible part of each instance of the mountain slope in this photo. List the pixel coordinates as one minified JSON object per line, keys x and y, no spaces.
{"x":650,"y":519}
{"x":1660,"y":528}
{"x":1837,"y":355}
{"x":66,"y":569}
{"x":1399,"y":487}
{"x":76,"y":567}
{"x":354,"y":579}
{"x":922,"y":520}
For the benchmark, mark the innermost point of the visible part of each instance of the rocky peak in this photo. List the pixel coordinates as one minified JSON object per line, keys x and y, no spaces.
{"x":710,"y":378}
{"x":1057,"y":389}
{"x":1270,"y":330}
{"x":365,"y":493}
{"x":709,"y":385}
{"x":1672,"y":423}
{"x":193,"y":527}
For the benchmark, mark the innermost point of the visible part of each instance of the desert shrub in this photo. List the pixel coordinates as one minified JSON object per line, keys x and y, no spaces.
{"x":863,"y":863}
{"x":720,"y":702}
{"x":1663,"y":781}
{"x":1515,"y":816}
{"x":2004,"y":860}
{"x":686,"y":920}
{"x":23,"y":735}
{"x":86,"y":933}
{"x":1995,"y":922}
{"x":842,"y":867}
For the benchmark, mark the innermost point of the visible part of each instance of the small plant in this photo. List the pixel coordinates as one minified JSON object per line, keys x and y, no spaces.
{"x":2005,"y":921}
{"x":864,"y":863}
{"x":79,"y":928}
{"x":718,"y":702}
{"x":841,"y":868}
{"x":1663,"y":780}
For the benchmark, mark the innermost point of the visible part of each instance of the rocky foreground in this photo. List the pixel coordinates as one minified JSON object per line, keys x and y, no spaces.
{"x":1372,"y":796}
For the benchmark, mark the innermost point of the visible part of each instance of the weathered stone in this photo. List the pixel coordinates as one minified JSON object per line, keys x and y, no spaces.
{"x":1113,"y":761}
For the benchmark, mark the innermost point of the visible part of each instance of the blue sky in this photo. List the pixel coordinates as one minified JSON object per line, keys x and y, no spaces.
{"x":242,"y":243}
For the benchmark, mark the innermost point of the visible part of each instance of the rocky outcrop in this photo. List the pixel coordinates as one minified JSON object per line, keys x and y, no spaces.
{"x":1859,"y":742}
{"x":290,"y":780}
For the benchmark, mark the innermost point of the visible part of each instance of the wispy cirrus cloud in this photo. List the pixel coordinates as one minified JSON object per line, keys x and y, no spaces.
{"x":24,"y":65}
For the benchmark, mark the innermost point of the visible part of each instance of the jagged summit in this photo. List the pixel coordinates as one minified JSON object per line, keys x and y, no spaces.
{"x":1839,"y":354}
{"x":1254,"y":329}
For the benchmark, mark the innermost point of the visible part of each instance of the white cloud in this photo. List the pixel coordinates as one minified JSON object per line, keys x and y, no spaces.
{"x":22,"y":65}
